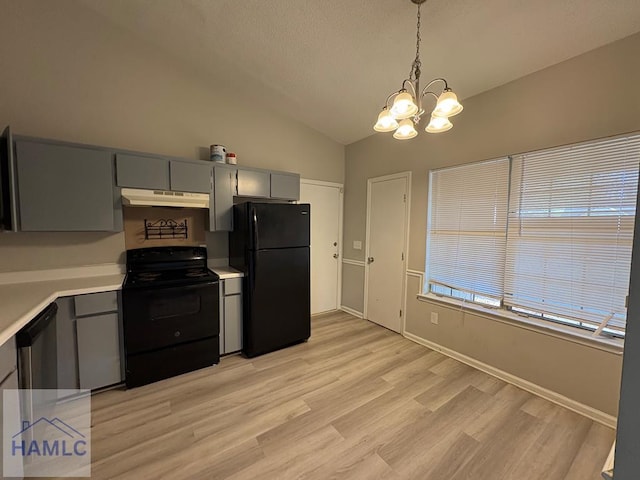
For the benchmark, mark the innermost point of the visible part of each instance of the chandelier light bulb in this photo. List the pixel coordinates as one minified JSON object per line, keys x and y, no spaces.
{"x":438,"y":124}
{"x":403,"y":106}
{"x":386,"y":122}
{"x":447,"y":105}
{"x":405,"y":131}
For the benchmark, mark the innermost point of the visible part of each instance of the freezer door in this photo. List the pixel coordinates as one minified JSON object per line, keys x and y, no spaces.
{"x":277,"y":301}
{"x":279,"y":225}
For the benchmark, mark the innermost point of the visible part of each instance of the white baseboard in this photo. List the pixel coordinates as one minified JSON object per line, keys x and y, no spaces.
{"x":353,"y":312}
{"x":590,"y":412}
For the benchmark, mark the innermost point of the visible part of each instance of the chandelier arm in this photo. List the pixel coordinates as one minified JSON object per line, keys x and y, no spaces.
{"x":412,"y":85}
{"x":435,"y":80}
{"x":391,"y":95}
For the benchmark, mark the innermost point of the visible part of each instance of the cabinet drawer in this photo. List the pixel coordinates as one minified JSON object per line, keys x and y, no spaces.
{"x":93,"y":303}
{"x":232,"y":286}
{"x":8,"y":358}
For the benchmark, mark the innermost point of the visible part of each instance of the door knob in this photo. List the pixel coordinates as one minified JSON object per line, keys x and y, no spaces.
{"x":335,"y":255}
{"x":370,"y":260}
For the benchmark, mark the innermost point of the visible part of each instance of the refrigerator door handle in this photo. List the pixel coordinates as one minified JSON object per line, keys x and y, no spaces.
{"x":254,"y":228}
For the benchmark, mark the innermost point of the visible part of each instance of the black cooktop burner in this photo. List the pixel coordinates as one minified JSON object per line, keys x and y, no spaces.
{"x":167,"y":266}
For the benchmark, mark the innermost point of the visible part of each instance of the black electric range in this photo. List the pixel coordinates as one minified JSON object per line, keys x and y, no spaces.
{"x":170,"y":303}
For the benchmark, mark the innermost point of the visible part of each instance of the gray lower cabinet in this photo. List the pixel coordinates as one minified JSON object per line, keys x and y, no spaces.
{"x":98,"y":351}
{"x":221,"y":201}
{"x":8,"y":387}
{"x":190,"y":177}
{"x":253,"y":183}
{"x":9,"y":392}
{"x":136,"y":171}
{"x":98,"y":336}
{"x":285,"y":186}
{"x":88,"y":341}
{"x":64,"y":188}
{"x":230,"y":315}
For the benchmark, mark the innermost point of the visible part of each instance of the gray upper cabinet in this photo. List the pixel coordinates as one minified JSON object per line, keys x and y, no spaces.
{"x":285,"y":186}
{"x":221,"y":202}
{"x":253,"y":183}
{"x":190,"y":177}
{"x":135,"y":171}
{"x":64,"y":188}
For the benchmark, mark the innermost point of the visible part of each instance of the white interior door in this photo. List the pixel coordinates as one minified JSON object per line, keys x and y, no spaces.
{"x":387,"y":223}
{"x":326,"y":240}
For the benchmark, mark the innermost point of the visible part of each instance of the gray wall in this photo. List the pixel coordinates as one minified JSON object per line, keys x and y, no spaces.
{"x":590,"y":96}
{"x":70,"y":74}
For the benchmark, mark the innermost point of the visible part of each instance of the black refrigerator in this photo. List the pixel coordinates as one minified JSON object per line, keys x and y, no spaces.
{"x":270,"y":245}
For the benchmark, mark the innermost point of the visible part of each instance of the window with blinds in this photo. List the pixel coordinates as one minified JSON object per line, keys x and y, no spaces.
{"x":571,"y":218}
{"x":467,"y":221}
{"x":546,"y":234}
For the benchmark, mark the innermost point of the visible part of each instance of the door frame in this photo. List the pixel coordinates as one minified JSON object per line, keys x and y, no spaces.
{"x":407,"y":210}
{"x":340,"y":188}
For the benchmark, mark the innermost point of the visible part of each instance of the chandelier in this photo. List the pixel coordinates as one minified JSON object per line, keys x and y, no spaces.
{"x":407,"y":109}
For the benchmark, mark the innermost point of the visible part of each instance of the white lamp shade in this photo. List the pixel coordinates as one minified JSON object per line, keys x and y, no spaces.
{"x":447,"y":105}
{"x":403,"y":106}
{"x":386,"y":122}
{"x":438,"y":124}
{"x":405,"y":130}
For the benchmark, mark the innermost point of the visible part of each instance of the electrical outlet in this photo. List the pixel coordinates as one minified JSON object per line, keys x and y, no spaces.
{"x":357,"y":245}
{"x":434,"y":318}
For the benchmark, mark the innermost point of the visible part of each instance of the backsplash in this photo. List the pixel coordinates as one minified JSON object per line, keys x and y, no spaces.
{"x":194,"y":219}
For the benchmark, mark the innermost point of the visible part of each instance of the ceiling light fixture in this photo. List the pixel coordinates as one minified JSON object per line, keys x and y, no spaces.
{"x":407,"y":102}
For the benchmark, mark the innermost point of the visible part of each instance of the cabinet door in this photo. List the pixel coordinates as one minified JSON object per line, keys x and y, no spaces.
{"x":10,"y":398}
{"x":134,"y":171}
{"x":98,"y":351}
{"x":285,"y":186}
{"x":66,"y":346}
{"x":190,"y":177}
{"x":221,"y":311}
{"x":252,"y":183}
{"x":221,"y":205}
{"x":64,"y":188}
{"x":233,"y":323}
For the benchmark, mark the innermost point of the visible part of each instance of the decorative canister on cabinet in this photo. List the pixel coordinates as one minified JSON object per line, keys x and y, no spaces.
{"x":231,"y":158}
{"x":217,"y":153}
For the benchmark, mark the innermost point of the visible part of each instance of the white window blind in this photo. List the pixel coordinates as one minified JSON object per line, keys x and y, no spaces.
{"x":570,"y":231}
{"x":466,"y":231}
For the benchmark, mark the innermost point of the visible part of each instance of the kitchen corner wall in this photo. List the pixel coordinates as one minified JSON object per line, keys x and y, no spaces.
{"x":70,"y":74}
{"x":590,"y":96}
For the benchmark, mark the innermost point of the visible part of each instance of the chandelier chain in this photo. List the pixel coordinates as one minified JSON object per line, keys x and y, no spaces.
{"x":415,"y":67}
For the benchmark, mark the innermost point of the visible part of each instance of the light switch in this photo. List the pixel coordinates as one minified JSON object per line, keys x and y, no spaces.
{"x":357,"y":245}
{"x":434,"y":318}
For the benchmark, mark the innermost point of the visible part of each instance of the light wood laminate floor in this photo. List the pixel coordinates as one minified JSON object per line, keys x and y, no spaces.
{"x":355,"y":402}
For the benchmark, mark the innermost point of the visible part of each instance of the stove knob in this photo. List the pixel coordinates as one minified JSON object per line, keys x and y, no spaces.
{"x":176,"y":334}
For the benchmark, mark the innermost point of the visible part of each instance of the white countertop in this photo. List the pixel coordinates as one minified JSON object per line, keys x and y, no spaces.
{"x":227,"y":272}
{"x":22,"y":298}
{"x":21,"y":302}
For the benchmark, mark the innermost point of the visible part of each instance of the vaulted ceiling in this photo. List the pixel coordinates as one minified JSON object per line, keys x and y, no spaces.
{"x":331,"y":63}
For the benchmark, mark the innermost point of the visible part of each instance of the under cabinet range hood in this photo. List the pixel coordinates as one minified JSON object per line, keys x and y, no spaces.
{"x":162,"y":198}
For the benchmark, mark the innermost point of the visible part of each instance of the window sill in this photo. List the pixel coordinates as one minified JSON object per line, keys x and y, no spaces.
{"x":612,"y":345}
